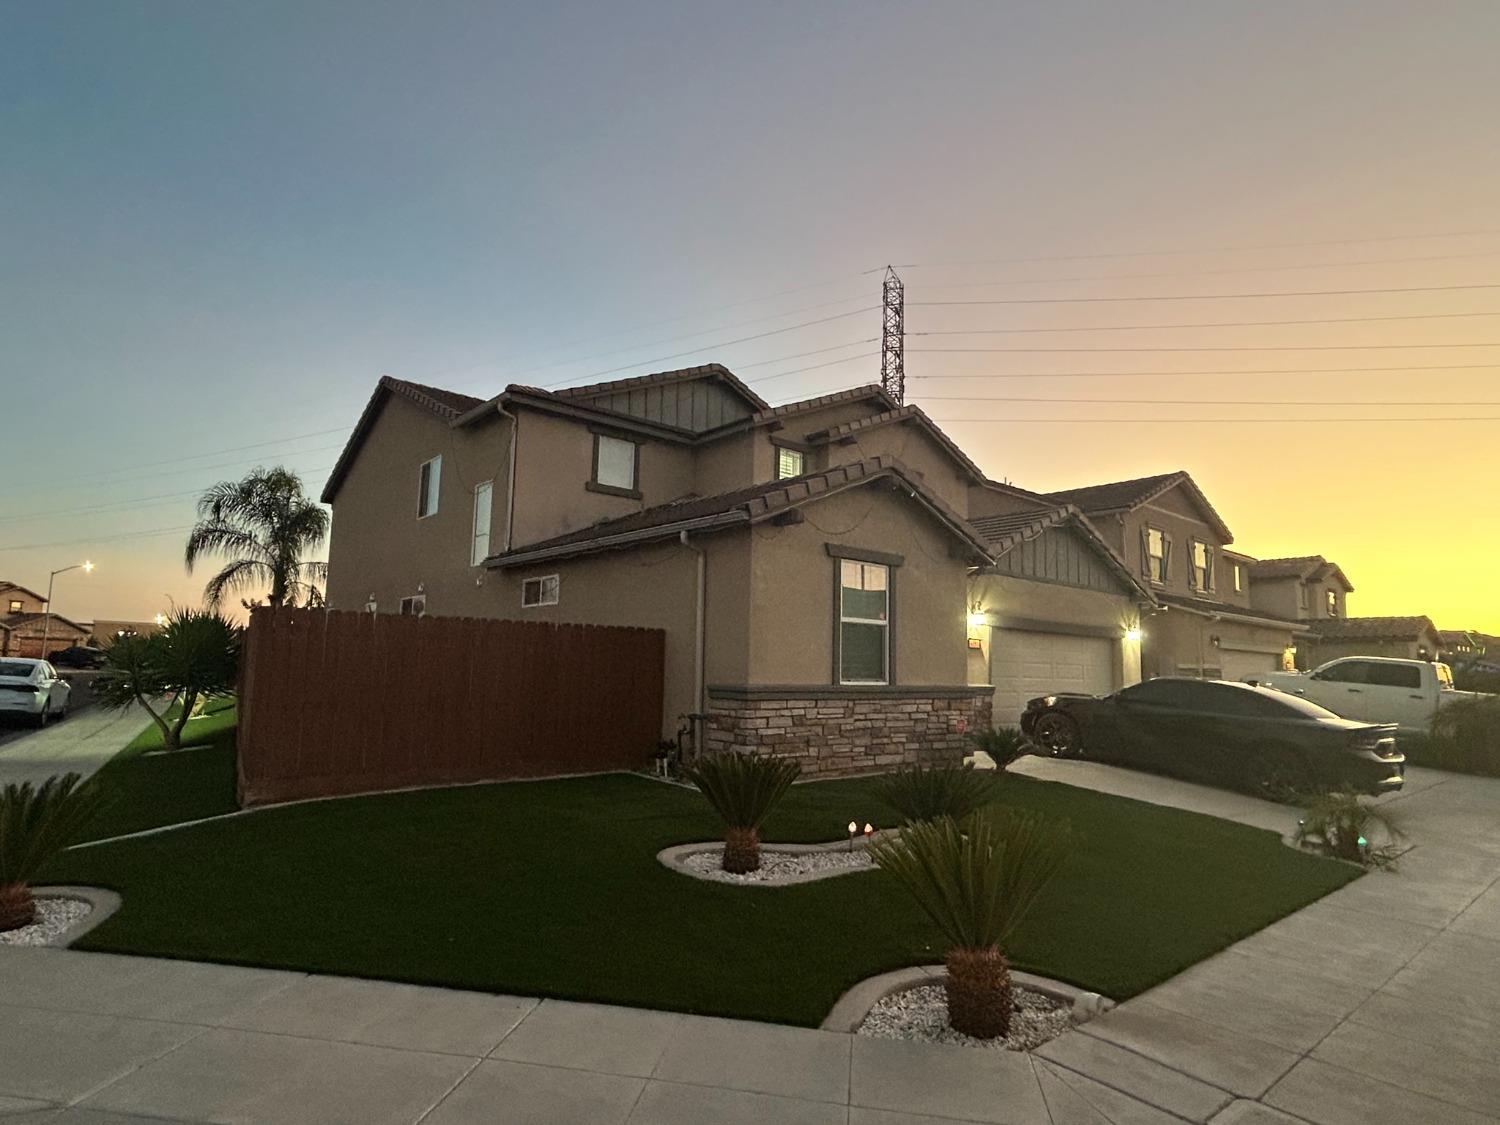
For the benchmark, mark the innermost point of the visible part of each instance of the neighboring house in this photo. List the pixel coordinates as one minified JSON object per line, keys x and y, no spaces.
{"x":30,"y":634}
{"x":16,"y":599}
{"x":1204,"y":623}
{"x":1307,"y":588}
{"x":102,"y":631}
{"x":810,"y":575}
{"x":1463,"y":647}
{"x":1413,"y":638}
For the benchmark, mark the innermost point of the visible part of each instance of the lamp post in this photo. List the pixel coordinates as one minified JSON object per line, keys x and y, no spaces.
{"x":84,"y":566}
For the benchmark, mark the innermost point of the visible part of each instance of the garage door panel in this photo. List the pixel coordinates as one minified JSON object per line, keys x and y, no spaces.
{"x":1237,"y":665}
{"x":1024,"y":665}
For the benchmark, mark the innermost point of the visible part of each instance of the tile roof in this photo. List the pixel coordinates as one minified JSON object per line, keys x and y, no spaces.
{"x":716,"y":371}
{"x":447,"y":404}
{"x":1374,"y":628}
{"x":4,"y":586}
{"x":1301,"y":567}
{"x":852,"y":429}
{"x":15,"y":621}
{"x":742,"y":506}
{"x":801,"y":406}
{"x":1005,"y":532}
{"x":1127,"y":495}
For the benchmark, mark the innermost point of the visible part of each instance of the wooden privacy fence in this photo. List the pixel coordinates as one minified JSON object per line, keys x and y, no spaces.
{"x":336,"y":702}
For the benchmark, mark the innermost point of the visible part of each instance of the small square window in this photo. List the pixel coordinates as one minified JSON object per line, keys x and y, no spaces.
{"x":414,"y":606}
{"x":614,"y":462}
{"x":428,"y":485}
{"x":789,"y":462}
{"x":539,"y":591}
{"x":15,"y":607}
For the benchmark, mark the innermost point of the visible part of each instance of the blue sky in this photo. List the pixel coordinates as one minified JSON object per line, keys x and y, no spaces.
{"x":220,"y":223}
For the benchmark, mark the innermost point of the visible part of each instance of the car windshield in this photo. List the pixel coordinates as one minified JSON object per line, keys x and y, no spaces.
{"x":21,"y":668}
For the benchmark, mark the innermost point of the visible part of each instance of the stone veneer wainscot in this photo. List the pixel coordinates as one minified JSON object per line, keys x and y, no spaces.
{"x":848,"y":730}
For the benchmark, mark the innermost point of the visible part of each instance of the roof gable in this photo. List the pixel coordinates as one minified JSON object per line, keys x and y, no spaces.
{"x":1005,"y":533}
{"x":850,"y":431}
{"x":1128,"y":495}
{"x":695,"y":399}
{"x":1376,"y":629}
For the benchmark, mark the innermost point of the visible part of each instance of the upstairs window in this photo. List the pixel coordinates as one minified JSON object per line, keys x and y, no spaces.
{"x":1239,"y":579}
{"x":1301,"y":597}
{"x":789,"y":462}
{"x":479,"y":548}
{"x":429,"y":482}
{"x":864,"y":622}
{"x":1156,"y":549}
{"x":1203,"y":566}
{"x":15,"y":606}
{"x":539,"y":591}
{"x":616,"y":461}
{"x":1331,"y":602}
{"x":414,"y":606}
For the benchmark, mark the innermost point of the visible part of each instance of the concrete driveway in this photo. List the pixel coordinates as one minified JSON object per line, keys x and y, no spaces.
{"x":81,"y":743}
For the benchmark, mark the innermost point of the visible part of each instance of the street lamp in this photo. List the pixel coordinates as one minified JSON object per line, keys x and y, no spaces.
{"x":85,"y":566}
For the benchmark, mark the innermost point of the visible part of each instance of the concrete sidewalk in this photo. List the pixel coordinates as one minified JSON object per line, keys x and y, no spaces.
{"x":81,"y":743}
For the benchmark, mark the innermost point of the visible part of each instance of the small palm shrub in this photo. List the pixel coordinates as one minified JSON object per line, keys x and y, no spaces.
{"x":977,"y":882}
{"x":1003,"y":744}
{"x":1340,"y":824}
{"x":35,"y":824}
{"x":743,"y":789}
{"x":925,"y":793}
{"x":195,"y":656}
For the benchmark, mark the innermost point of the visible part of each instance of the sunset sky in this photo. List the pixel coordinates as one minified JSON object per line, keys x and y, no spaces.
{"x":221,"y":223}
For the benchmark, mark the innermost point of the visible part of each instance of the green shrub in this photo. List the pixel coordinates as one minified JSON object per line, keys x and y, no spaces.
{"x":37,"y":822}
{"x":195,"y":656}
{"x":1342,"y":825}
{"x":1003,"y":744}
{"x":743,"y":789}
{"x":925,"y":793}
{"x":976,"y":882}
{"x":1465,"y":738}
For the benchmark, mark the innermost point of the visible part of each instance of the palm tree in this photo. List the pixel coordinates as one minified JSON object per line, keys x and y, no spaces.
{"x":977,"y":881}
{"x":36,"y":824}
{"x":743,"y":789}
{"x":267,"y":526}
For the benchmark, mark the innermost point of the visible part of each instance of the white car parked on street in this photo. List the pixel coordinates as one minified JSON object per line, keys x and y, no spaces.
{"x":32,"y":688}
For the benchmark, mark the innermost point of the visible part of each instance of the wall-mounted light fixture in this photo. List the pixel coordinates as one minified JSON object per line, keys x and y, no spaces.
{"x":1134,"y":634}
{"x":977,"y":618}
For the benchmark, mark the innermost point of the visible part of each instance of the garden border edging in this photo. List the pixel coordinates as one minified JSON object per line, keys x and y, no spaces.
{"x":102,"y":904}
{"x":672,"y":859}
{"x":850,"y":1010}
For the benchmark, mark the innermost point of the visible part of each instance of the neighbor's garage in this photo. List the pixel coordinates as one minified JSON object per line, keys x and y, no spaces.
{"x":1235,"y":665}
{"x":1024,"y":665}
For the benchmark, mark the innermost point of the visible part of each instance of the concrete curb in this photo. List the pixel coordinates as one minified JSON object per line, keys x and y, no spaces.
{"x":103,"y":903}
{"x":673,"y":857}
{"x":853,"y":1006}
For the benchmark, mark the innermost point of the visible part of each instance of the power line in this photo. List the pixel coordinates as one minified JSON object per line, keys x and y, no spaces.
{"x":1210,"y":296}
{"x":99,"y":538}
{"x":814,"y":367}
{"x":1201,"y":324}
{"x":1225,"y":371}
{"x":709,"y":347}
{"x":199,"y":456}
{"x":1241,"y":348}
{"x":1206,"y":401}
{"x":215,"y":467}
{"x":136,"y":502}
{"x":1185,"y":253}
{"x":1207,"y":273}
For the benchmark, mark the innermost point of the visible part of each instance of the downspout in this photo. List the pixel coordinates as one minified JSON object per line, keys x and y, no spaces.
{"x":510,"y":476}
{"x":699,"y":702}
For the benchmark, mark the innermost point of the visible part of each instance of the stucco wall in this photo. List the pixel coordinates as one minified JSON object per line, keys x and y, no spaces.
{"x":1278,"y":596}
{"x":1181,"y":528}
{"x":792,"y":583}
{"x":378,"y":547}
{"x":729,"y":463}
{"x":909,"y":444}
{"x":982,"y":501}
{"x":29,"y":604}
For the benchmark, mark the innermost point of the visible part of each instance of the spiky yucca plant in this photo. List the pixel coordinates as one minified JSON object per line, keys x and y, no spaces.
{"x":35,"y":824}
{"x":977,"y":881}
{"x":924,"y":793}
{"x":742,"y":788}
{"x":1003,"y":744}
{"x":1341,"y":825}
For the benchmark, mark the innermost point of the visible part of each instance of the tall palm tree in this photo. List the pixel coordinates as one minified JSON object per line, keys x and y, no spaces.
{"x":267,"y":526}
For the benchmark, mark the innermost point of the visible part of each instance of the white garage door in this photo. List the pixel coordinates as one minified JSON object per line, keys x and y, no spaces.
{"x":1025,"y":665}
{"x":1238,"y":665}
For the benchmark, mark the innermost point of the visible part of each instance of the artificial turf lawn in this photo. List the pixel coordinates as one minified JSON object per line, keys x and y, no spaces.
{"x":216,"y":721}
{"x":152,"y":790}
{"x":552,"y":888}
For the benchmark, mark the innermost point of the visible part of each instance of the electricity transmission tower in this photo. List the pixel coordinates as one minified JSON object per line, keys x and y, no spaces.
{"x":893,"y":336}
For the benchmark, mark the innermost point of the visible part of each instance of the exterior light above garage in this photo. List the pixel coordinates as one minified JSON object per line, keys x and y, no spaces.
{"x":1134,"y":634}
{"x":976,"y":619}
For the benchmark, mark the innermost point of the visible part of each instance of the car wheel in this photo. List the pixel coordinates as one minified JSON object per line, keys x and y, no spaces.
{"x":1059,"y":735}
{"x":1279,"y":774}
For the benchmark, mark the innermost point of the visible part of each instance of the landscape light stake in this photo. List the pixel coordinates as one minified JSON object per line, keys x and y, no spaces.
{"x":853,"y":828}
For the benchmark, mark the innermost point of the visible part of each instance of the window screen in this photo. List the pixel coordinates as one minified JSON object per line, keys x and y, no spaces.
{"x":789,"y":463}
{"x":428,"y":487}
{"x":540,"y":591}
{"x":479,"y":549}
{"x":864,"y":621}
{"x":614,"y":462}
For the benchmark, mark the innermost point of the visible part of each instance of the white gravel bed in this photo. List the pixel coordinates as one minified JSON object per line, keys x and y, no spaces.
{"x":778,"y":867}
{"x":53,"y":916}
{"x":921,"y":1014}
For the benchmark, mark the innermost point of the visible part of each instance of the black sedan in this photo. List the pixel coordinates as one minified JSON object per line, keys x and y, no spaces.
{"x":77,"y":656}
{"x":1220,"y":733}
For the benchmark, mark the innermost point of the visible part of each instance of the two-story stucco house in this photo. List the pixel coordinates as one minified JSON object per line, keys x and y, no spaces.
{"x":808,"y":563}
{"x":1205,"y":622}
{"x":1306,"y":588}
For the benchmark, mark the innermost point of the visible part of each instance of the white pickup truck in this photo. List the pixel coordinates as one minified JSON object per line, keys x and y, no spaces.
{"x":1375,"y":689}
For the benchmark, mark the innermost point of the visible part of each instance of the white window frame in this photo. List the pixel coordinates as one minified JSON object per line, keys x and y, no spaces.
{"x":540,"y":585}
{"x":1330,"y":603}
{"x":429,"y":486}
{"x":1239,"y":579}
{"x":414,"y":606}
{"x":633,"y":484}
{"x":479,"y":546}
{"x":787,"y":452}
{"x":884,"y":623}
{"x":1165,"y":556}
{"x":17,"y":606}
{"x":1194,"y":546}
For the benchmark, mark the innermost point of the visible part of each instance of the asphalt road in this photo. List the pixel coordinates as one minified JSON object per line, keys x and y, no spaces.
{"x":14,"y":728}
